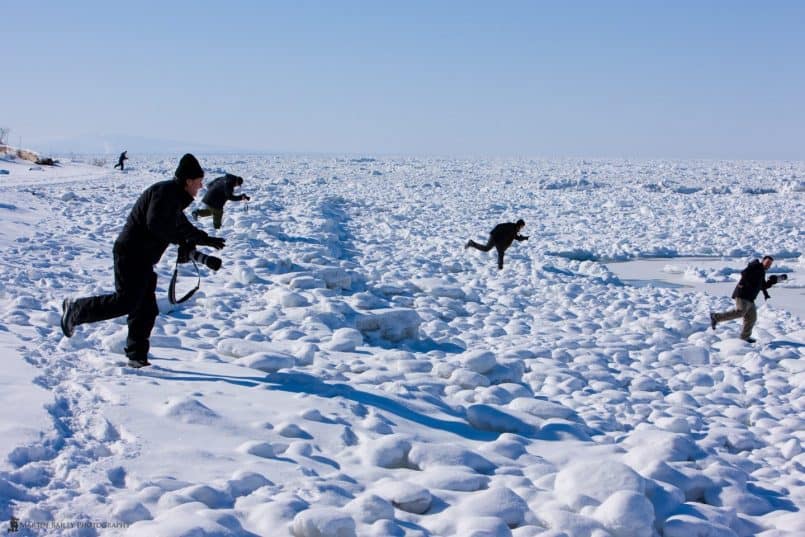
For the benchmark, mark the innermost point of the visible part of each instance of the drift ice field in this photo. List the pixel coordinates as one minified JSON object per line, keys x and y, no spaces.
{"x":353,"y":371}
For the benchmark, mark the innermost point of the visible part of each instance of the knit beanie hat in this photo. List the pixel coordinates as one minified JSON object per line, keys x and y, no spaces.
{"x":189,"y":168}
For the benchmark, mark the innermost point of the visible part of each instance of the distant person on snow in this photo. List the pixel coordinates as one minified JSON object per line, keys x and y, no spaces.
{"x":218,"y":193}
{"x":753,"y":281}
{"x":156,"y":220}
{"x":121,"y":159}
{"x":501,"y":237}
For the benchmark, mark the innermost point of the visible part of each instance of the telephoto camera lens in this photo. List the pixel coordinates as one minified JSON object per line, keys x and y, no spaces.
{"x":212,"y":262}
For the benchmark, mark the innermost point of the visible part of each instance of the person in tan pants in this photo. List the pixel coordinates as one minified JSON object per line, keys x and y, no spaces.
{"x":753,"y":281}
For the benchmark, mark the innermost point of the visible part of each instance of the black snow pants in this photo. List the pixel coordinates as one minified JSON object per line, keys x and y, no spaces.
{"x":135,"y":287}
{"x":491,"y":243}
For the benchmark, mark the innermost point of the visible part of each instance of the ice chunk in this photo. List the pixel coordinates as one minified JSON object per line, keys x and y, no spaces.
{"x":345,"y":340}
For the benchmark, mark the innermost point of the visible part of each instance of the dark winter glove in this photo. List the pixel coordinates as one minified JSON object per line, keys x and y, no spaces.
{"x":247,"y":198}
{"x":215,"y":242}
{"x":183,"y":256}
{"x":766,"y":295}
{"x":772,"y":280}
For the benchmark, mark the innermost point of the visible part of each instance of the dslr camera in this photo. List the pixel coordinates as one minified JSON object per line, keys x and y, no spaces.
{"x":189,"y":253}
{"x":774,"y":278}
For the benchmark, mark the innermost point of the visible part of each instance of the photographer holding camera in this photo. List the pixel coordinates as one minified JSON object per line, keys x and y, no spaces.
{"x":219,"y":191}
{"x":156,"y":220}
{"x":753,"y":281}
{"x":501,"y":237}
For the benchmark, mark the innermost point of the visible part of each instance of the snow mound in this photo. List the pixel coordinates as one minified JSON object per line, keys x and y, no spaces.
{"x":478,"y":360}
{"x":626,"y":514}
{"x":187,"y":410}
{"x":302,"y":351}
{"x":370,"y":508}
{"x":388,"y":452}
{"x":590,"y":483}
{"x":393,"y":324}
{"x":439,"y":287}
{"x":499,"y":502}
{"x":323,"y":522}
{"x":404,"y":495}
{"x":427,"y":456}
{"x":267,"y":362}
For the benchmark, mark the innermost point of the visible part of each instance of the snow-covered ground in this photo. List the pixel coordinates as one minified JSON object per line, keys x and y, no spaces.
{"x":352,"y":370}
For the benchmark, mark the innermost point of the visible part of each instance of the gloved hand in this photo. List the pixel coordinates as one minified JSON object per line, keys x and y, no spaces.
{"x":215,"y":242}
{"x":772,"y":279}
{"x":247,"y":198}
{"x":525,"y":237}
{"x":183,"y":255}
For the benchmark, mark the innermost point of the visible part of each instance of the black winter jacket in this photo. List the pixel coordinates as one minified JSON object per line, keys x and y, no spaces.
{"x":220,"y":191}
{"x":156,"y":220}
{"x":752,"y":282}
{"x":505,"y":234}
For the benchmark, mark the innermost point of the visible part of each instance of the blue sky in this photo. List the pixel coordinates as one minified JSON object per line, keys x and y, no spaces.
{"x":642,"y":79}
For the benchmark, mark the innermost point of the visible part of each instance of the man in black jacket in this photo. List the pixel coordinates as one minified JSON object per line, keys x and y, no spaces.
{"x":501,"y":237}
{"x":218,"y":193}
{"x":753,"y":281}
{"x":156,"y":220}
{"x":121,"y":159}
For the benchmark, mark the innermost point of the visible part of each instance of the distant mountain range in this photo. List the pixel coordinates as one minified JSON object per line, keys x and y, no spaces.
{"x":114,"y":144}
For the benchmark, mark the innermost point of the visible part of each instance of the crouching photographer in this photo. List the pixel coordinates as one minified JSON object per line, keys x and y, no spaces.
{"x":156,"y":220}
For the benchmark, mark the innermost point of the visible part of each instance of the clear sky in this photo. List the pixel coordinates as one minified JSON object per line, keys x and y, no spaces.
{"x":670,"y":79}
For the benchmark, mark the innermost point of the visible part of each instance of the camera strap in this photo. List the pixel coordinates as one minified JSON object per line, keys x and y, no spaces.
{"x":172,"y":286}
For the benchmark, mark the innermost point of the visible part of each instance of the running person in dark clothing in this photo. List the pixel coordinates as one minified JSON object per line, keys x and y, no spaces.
{"x":121,"y":159}
{"x":156,"y":220}
{"x":753,"y":281}
{"x":218,"y":193}
{"x":501,"y":237}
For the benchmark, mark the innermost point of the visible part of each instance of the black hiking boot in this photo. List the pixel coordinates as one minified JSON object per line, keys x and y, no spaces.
{"x":137,"y":363}
{"x":67,"y":320}
{"x":713,"y":321}
{"x":749,"y":339}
